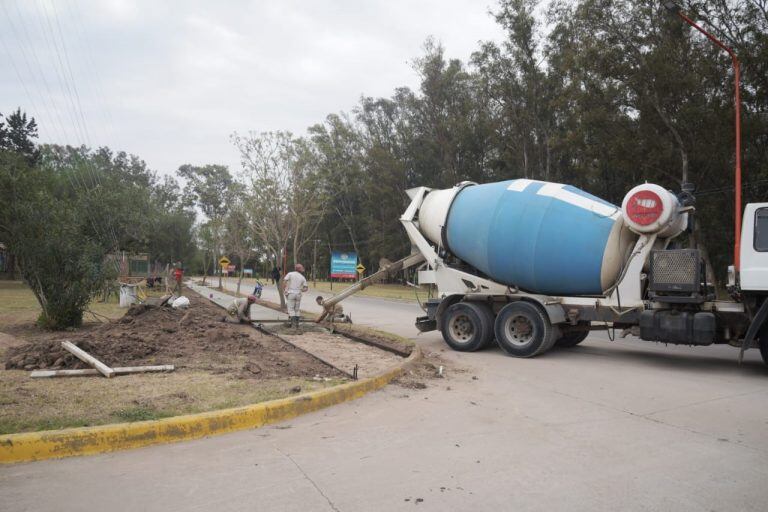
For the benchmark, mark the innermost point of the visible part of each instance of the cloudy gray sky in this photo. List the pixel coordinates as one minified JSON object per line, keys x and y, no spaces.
{"x":171,"y":80}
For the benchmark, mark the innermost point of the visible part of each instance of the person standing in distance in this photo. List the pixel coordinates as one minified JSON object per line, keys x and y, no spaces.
{"x":294,"y":284}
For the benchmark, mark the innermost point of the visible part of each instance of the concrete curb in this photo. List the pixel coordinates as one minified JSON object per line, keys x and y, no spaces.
{"x":55,"y":444}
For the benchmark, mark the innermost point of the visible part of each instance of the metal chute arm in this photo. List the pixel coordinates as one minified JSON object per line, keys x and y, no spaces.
{"x":388,"y":271}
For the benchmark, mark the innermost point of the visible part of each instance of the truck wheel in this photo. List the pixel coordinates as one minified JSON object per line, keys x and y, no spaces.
{"x":764,"y":348}
{"x":488,"y":318}
{"x":466,"y":326}
{"x":573,"y":338}
{"x":762,"y":342}
{"x":524,"y":330}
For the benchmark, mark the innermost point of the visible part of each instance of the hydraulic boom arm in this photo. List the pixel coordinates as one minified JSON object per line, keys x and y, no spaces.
{"x":389,"y":270}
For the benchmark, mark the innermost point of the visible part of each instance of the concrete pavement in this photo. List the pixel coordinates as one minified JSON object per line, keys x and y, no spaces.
{"x":603,"y":426}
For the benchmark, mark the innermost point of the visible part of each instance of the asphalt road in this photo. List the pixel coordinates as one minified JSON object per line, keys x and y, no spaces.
{"x":604,"y":426}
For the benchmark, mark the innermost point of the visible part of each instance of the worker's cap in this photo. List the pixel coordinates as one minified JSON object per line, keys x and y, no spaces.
{"x":299,"y":267}
{"x":251,"y":298}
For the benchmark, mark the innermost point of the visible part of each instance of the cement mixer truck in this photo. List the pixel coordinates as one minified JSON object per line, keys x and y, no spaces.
{"x":531,"y":265}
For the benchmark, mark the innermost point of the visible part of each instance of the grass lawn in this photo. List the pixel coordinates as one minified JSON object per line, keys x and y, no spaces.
{"x":28,"y":405}
{"x":19,"y":306}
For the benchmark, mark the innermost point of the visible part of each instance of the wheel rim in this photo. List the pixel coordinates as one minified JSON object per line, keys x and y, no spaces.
{"x":461,"y":328}
{"x":519,"y":330}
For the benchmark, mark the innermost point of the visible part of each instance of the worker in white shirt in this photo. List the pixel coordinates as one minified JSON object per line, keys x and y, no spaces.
{"x":294,"y":284}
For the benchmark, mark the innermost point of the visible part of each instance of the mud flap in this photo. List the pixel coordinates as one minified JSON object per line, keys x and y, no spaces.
{"x":754,"y":328}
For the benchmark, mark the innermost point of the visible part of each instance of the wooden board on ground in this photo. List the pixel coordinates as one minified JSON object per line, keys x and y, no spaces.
{"x":119,"y":370}
{"x":88,"y":358}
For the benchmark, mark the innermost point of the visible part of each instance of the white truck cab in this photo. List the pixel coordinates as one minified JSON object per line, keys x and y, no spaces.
{"x":753,"y":274}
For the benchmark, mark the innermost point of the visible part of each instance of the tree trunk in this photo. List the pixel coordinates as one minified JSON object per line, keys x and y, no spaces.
{"x":678,"y":139}
{"x":296,"y":247}
{"x":280,"y":285}
{"x":349,"y":230}
{"x":240,"y":279}
{"x":11,"y":266}
{"x":205,"y":270}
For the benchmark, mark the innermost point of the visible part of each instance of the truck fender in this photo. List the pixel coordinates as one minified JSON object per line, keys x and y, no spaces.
{"x":754,"y":327}
{"x":447,"y":301}
{"x":555,"y":312}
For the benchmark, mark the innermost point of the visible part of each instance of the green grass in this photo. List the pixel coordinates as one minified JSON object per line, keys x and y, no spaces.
{"x":15,"y":298}
{"x":19,"y":305}
{"x":30,"y":405}
{"x":140,"y":413}
{"x":13,"y":424}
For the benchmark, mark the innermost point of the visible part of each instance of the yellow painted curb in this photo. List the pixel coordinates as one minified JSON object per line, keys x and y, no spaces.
{"x":55,"y":444}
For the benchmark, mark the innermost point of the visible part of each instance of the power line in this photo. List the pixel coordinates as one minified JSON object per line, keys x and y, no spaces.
{"x":48,"y":100}
{"x":60,"y":74}
{"x":96,"y":82}
{"x":71,"y":76}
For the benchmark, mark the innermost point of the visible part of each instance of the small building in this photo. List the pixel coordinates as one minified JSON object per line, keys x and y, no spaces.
{"x":130,"y":264}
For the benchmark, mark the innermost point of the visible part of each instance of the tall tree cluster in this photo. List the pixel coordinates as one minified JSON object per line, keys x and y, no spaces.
{"x":601,"y":94}
{"x":64,"y":209}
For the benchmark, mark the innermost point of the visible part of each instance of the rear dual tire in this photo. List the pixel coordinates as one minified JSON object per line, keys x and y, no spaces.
{"x":523,"y":330}
{"x":467,"y":326}
{"x":572,"y":339}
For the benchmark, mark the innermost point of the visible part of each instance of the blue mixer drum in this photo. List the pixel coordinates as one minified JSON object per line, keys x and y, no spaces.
{"x":542,"y":237}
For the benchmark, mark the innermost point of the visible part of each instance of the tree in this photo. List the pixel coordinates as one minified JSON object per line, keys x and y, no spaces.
{"x":48,"y":223}
{"x":339,"y":151}
{"x":238,"y":232}
{"x":205,"y":242}
{"x":279,"y":173}
{"x":171,"y":236}
{"x":211,"y":188}
{"x":17,"y":136}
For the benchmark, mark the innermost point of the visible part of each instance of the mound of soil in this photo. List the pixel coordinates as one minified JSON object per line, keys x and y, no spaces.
{"x":193,"y":338}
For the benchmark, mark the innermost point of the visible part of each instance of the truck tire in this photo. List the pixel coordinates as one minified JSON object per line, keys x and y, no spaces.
{"x":762,"y":342}
{"x":488,"y":319}
{"x":524,"y":330}
{"x":573,"y":338}
{"x":764,"y":348}
{"x":466,"y":326}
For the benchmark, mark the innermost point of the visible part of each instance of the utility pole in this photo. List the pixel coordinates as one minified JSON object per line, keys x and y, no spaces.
{"x":675,"y":9}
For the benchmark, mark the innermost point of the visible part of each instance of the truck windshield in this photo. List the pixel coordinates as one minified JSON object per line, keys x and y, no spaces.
{"x":761,"y":230}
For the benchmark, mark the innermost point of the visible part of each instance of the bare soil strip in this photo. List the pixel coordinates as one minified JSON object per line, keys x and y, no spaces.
{"x":343,"y":353}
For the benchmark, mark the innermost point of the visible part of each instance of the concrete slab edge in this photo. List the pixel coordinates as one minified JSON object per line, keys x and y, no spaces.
{"x":55,"y":444}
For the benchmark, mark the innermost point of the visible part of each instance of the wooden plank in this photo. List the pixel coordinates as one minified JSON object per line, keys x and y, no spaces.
{"x":88,"y":358}
{"x":119,"y":370}
{"x":41,"y":374}
{"x":124,"y":370}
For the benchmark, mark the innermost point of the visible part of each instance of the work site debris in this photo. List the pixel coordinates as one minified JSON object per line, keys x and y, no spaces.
{"x":181,"y":303}
{"x":120,"y":370}
{"x":88,"y":358}
{"x":191,"y":339}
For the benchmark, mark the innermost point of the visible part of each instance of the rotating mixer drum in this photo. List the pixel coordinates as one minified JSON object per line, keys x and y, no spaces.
{"x":542,"y":237}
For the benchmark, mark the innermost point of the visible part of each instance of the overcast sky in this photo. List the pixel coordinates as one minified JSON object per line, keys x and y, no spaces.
{"x":171,"y":80}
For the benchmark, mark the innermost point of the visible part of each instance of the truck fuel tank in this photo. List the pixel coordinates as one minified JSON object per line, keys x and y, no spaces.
{"x":678,"y":327}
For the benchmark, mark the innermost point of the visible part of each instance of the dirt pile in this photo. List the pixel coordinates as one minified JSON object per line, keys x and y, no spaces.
{"x":192,"y":338}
